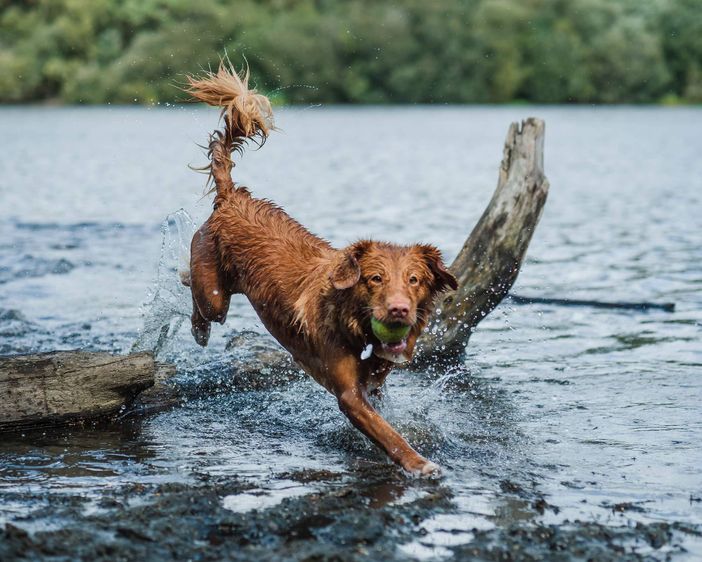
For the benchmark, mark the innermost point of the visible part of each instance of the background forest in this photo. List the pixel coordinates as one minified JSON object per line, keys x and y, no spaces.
{"x":363,"y":51}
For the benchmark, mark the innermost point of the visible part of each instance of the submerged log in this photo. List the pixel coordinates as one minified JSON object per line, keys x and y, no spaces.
{"x":57,"y":388}
{"x":616,"y":305}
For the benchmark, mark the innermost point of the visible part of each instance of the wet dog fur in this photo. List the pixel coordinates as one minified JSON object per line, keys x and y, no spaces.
{"x":317,"y":301}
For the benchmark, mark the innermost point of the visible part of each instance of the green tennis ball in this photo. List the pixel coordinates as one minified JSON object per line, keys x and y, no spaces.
{"x":389,"y":333}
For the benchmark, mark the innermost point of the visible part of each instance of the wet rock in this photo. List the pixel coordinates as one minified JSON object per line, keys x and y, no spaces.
{"x":133,"y":534}
{"x":16,"y":535}
{"x":310,"y":475}
{"x":510,"y":487}
{"x":576,"y":541}
{"x":625,"y":506}
{"x":540,"y":505}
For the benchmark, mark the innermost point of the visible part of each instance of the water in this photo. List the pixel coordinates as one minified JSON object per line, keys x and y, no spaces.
{"x":588,"y":409}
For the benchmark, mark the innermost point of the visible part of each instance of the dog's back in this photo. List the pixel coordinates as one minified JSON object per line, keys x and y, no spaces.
{"x":273,"y":258}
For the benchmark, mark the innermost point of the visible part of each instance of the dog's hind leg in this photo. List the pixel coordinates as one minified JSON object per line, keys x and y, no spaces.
{"x":208,"y":283}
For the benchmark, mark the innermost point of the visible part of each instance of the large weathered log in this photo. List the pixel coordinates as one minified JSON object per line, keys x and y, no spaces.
{"x":489,"y":262}
{"x":66,"y":386}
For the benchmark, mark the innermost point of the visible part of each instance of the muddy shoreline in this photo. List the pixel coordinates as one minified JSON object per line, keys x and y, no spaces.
{"x":359,"y":519}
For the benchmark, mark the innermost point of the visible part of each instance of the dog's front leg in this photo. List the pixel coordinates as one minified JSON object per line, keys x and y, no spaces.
{"x":353,"y":402}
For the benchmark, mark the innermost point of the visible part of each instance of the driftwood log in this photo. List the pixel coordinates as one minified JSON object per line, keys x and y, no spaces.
{"x":56,"y":388}
{"x":488,"y":264}
{"x":48,"y":389}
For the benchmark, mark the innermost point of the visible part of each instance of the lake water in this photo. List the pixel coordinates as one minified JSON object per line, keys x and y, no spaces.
{"x":599,"y":412}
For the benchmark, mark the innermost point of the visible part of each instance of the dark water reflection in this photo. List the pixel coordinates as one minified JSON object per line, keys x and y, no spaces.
{"x":583,"y":408}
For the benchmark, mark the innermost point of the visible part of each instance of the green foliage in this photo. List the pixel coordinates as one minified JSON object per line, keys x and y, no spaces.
{"x":356,"y":51}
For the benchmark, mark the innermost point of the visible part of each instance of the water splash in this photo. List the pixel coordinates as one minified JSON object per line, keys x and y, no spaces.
{"x":171,"y":302}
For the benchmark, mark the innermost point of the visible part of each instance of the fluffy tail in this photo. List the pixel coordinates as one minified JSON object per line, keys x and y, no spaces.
{"x":247,"y":115}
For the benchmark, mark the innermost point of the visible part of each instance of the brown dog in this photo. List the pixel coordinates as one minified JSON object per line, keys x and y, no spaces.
{"x":317,"y":301}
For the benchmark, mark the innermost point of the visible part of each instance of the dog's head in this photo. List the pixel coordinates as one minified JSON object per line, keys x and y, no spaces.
{"x":389,"y":291}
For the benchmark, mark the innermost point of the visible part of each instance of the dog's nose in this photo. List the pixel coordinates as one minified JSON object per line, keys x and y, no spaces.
{"x":398,"y":310}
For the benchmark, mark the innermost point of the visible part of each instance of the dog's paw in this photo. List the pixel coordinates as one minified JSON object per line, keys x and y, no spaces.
{"x":431,"y":469}
{"x":184,"y":275}
{"x":202,"y":336}
{"x":422,"y":467}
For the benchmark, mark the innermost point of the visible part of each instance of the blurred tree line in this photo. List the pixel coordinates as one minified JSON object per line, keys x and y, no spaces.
{"x":368,"y":51}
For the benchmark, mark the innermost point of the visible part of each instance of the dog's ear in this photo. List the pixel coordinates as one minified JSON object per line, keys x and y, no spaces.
{"x":444,"y":279}
{"x":346,"y":272}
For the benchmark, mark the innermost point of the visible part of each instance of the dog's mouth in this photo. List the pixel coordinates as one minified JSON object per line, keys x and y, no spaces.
{"x":391,"y":335}
{"x":395,"y":348}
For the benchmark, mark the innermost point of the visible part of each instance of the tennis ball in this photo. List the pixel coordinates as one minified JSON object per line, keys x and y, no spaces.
{"x":389,"y":333}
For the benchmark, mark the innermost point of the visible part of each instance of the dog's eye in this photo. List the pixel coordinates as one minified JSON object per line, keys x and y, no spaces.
{"x":376,"y":279}
{"x":413,"y":280}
